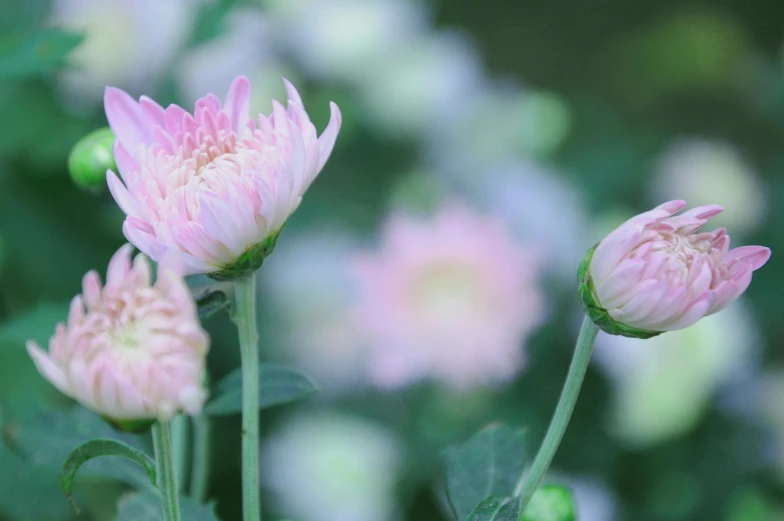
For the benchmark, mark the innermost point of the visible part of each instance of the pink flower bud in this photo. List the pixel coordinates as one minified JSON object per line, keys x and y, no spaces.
{"x":656,"y":273}
{"x":131,"y":350}
{"x":216,"y":186}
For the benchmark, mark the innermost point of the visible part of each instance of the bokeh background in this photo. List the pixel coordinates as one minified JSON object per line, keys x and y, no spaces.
{"x":427,"y":282}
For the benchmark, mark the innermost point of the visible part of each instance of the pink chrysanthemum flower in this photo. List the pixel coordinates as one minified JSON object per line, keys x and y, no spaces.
{"x":216,"y":186}
{"x":655,"y":273}
{"x":137,"y":352}
{"x":451,"y":298}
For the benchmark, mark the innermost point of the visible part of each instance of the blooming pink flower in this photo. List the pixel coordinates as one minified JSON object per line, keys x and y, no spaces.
{"x":138,"y":352}
{"x":656,"y":273}
{"x":452,"y":298}
{"x":216,"y":186}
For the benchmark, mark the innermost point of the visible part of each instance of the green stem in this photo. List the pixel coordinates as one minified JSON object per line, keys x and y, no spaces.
{"x":164,"y":465}
{"x":245,"y":319}
{"x":563,"y":413}
{"x":179,"y":434}
{"x":201,"y":458}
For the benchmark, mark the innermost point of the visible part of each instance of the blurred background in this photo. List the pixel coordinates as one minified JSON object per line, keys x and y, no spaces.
{"x":427,"y":282}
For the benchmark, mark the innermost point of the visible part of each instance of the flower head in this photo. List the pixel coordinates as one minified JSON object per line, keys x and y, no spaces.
{"x":216,"y":186}
{"x":131,"y":350}
{"x":453,"y":298}
{"x":655,"y":273}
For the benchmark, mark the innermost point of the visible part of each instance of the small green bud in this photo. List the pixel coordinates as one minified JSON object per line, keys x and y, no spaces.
{"x":550,"y":503}
{"x":90,"y":158}
{"x":248,"y":262}
{"x":595,"y":311}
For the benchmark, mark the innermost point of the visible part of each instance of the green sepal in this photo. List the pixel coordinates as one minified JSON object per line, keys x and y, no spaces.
{"x":550,"y":503}
{"x":90,"y":158}
{"x":590,"y":302}
{"x":211,"y":302}
{"x":248,"y":262}
{"x":129,"y":426}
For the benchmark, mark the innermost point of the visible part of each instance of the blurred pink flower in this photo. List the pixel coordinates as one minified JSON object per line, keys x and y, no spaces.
{"x":452,"y":298}
{"x":138,"y":352}
{"x":655,"y":273}
{"x":216,"y":186}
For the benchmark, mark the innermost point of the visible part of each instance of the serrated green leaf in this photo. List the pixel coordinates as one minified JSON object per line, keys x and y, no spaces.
{"x":496,"y":508}
{"x":277,"y":385}
{"x":23,"y":55}
{"x":147,"y":506}
{"x":34,"y":439}
{"x":488,"y":464}
{"x":97,"y":448}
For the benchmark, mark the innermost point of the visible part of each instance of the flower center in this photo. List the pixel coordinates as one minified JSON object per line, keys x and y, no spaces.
{"x":125,"y":338}
{"x":447,"y":291}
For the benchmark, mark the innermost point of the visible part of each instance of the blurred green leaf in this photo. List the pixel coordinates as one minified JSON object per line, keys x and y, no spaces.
{"x":488,"y":464}
{"x":147,"y":506}
{"x":49,"y":438}
{"x":496,"y":508}
{"x":40,"y":52}
{"x":96,"y":448}
{"x":22,"y":390}
{"x":210,"y":302}
{"x":29,"y":492}
{"x":277,"y":385}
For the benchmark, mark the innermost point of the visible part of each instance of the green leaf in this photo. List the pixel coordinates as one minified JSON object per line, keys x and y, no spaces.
{"x":496,"y":508}
{"x":210,"y":302}
{"x":29,"y":492}
{"x":488,"y":464}
{"x":96,"y":448}
{"x":34,"y":439}
{"x":43,"y":51}
{"x":147,"y":506}
{"x":277,"y":385}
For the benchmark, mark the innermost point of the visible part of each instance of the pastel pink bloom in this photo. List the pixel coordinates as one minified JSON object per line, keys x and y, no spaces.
{"x":131,"y":350}
{"x":451,"y":298}
{"x":213,"y":184}
{"x":657,"y":273}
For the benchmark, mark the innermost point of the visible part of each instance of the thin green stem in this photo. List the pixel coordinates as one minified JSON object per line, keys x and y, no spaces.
{"x":563,"y":413}
{"x":164,"y":465}
{"x":245,"y":319}
{"x":201,"y":458}
{"x":179,"y":434}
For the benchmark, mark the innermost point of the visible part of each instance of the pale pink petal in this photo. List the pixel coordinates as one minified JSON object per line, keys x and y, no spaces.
{"x":237,"y":104}
{"x":126,"y":118}
{"x":327,"y":139}
{"x":47,"y":368}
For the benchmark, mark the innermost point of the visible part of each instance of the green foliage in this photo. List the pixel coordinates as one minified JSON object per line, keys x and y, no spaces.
{"x":277,"y":385}
{"x":488,"y":464}
{"x":496,"y":508}
{"x":96,"y":448}
{"x":211,"y":302}
{"x":34,"y":439}
{"x":29,"y":492}
{"x":35,"y":53}
{"x":147,"y":506}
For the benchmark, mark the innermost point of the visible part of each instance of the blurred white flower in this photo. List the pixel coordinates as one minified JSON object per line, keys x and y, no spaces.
{"x":501,"y":123}
{"x":452,"y":297}
{"x":704,"y":172}
{"x":595,"y":502}
{"x":540,"y":207}
{"x":128,"y":43}
{"x":419,"y":89}
{"x":664,"y":385}
{"x":246,"y":46}
{"x":348,"y":40}
{"x":309,"y":281}
{"x":332,"y":467}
